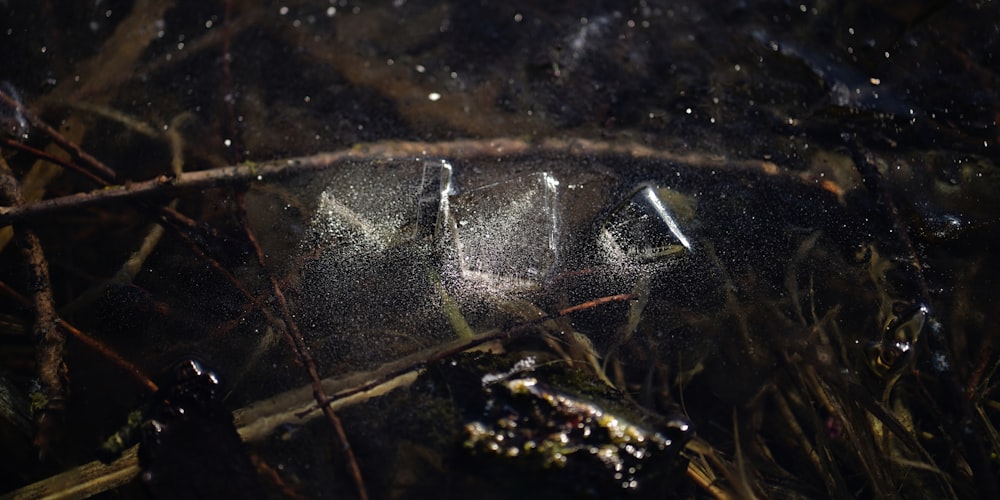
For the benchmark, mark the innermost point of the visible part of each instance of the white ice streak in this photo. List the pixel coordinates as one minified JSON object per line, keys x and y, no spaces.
{"x":667,"y":218}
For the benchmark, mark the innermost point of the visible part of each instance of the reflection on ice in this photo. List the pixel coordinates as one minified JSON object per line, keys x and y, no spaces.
{"x":432,"y":209}
{"x":648,"y":226}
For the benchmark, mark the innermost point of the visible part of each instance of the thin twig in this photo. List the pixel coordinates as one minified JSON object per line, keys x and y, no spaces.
{"x":417,"y":360}
{"x":183,"y":232}
{"x":492,"y":149}
{"x":88,"y":341}
{"x":292,"y":332}
{"x":99,"y":168}
{"x":45,"y":155}
{"x":50,"y":339}
{"x":590,"y":304}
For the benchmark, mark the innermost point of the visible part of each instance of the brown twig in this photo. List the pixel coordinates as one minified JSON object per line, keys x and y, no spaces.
{"x":48,"y":323}
{"x":294,"y":336}
{"x":44,"y":155}
{"x":492,"y":149}
{"x":590,"y":304}
{"x":99,"y":168}
{"x":183,"y":228}
{"x":88,"y":341}
{"x":50,"y":339}
{"x":420,"y":359}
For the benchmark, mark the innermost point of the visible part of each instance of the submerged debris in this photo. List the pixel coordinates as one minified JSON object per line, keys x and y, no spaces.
{"x":188,"y":445}
{"x":527,"y":418}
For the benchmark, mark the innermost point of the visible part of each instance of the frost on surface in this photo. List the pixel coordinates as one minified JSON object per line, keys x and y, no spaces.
{"x":388,"y":246}
{"x":506,"y":233}
{"x":406,"y":254}
{"x":368,"y":289}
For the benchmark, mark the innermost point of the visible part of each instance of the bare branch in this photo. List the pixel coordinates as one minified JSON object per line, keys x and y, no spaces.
{"x":492,"y":149}
{"x":50,"y":339}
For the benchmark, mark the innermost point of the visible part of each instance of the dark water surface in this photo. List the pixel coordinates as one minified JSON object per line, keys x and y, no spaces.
{"x":566,"y":249}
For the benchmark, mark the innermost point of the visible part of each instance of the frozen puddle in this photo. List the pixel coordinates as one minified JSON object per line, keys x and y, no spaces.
{"x":394,"y":252}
